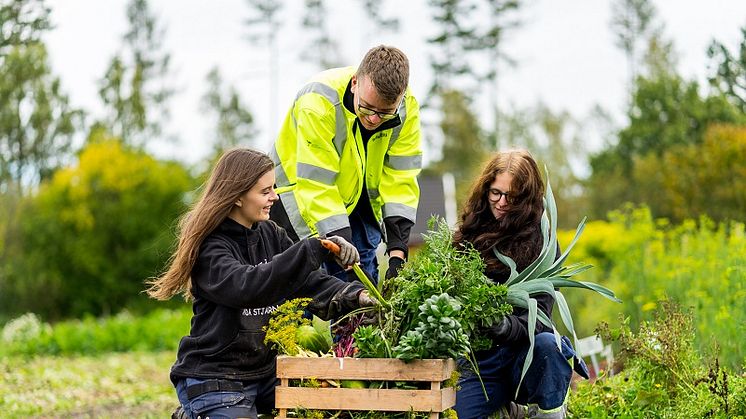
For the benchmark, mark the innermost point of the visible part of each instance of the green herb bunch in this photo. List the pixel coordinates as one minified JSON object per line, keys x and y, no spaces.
{"x":449,"y":285}
{"x":438,"y":331}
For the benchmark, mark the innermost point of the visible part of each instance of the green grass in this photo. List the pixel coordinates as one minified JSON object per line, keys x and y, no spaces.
{"x":159,"y":330}
{"x":115,"y":385}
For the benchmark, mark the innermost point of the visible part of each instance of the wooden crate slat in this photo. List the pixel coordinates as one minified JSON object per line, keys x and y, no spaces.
{"x":365,"y":369}
{"x":365,"y":399}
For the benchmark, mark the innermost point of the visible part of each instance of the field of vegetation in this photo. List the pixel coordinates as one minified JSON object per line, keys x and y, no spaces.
{"x":110,"y":385}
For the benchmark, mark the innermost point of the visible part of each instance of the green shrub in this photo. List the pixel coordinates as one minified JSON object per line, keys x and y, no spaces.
{"x":91,"y":235}
{"x":699,"y":264}
{"x":663,"y":375}
{"x":158,"y":330}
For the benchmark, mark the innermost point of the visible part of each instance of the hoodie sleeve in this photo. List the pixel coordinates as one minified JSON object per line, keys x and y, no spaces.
{"x":331,"y":296}
{"x":221,"y":277}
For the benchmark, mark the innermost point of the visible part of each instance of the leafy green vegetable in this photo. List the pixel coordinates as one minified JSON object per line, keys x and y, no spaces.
{"x":438,"y":332}
{"x":370,"y":342}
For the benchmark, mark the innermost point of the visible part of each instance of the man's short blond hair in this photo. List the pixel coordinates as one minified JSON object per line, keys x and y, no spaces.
{"x":388,"y":70}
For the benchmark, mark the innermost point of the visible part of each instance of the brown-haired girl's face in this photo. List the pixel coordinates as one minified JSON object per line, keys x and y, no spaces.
{"x":499,"y":194}
{"x":255,"y":203}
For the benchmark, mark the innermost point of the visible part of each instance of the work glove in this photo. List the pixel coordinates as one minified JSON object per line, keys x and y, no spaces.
{"x":395,"y":264}
{"x":365,"y":300}
{"x":499,"y":331}
{"x":348,"y":254}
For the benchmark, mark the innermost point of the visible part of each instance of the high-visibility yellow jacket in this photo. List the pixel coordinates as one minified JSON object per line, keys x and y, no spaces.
{"x":321,"y":161}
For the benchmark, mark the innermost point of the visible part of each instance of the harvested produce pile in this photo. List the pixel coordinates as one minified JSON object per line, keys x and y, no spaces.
{"x":439,"y":302}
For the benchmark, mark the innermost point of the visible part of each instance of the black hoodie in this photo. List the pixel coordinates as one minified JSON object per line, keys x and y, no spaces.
{"x":240,"y":277}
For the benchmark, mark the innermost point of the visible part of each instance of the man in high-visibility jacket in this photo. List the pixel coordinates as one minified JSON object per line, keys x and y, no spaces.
{"x":347,"y":159}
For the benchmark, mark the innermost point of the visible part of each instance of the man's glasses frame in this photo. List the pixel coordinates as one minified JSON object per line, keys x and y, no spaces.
{"x":385,"y":116}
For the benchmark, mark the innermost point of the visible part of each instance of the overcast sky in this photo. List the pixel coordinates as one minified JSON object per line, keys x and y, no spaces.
{"x":565,"y":53}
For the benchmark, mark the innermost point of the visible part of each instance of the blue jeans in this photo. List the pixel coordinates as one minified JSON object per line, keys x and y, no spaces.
{"x":257,"y":396}
{"x":366,"y":236}
{"x":546,"y":383}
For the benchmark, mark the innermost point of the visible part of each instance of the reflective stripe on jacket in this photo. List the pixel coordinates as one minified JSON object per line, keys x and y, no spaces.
{"x":320,"y":159}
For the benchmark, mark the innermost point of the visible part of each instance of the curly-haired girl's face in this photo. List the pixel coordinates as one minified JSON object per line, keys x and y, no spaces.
{"x":499,"y":194}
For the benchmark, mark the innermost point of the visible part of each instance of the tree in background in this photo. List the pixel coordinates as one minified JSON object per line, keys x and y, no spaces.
{"x":135,"y":88}
{"x":459,"y":82}
{"x":632,"y":23}
{"x":321,"y":49}
{"x":94,"y":233}
{"x":456,"y":30}
{"x":464,"y":147}
{"x":707,"y":178}
{"x":373,"y":14}
{"x":729,"y":75}
{"x":490,"y":41}
{"x":22,"y":22}
{"x":666,"y":112}
{"x":36,"y":120}
{"x":234,"y":124}
{"x":262,"y":26}
{"x":460,"y":33}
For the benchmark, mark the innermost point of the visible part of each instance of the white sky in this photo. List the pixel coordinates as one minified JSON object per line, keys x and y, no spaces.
{"x":565,"y":53}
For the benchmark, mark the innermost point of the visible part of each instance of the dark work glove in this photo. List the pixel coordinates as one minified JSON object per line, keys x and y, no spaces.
{"x":395,"y":264}
{"x":365,"y":300}
{"x":348,"y":254}
{"x":499,"y":331}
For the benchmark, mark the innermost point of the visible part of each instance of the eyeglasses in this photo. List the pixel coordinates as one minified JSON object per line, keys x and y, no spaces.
{"x":385,"y":116}
{"x":496,"y":194}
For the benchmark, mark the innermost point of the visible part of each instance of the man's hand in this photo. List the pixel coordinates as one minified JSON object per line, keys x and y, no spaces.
{"x":348,"y":254}
{"x":365,"y":300}
{"x":395,"y":264}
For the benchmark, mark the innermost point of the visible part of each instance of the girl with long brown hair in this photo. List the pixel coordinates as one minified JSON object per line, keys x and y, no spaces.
{"x":237,"y":267}
{"x":503,"y":212}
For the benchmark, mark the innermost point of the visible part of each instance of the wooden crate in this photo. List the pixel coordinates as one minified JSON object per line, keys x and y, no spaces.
{"x":434,"y":371}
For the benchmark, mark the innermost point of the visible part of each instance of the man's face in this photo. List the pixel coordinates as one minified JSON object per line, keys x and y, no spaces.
{"x":371,"y":110}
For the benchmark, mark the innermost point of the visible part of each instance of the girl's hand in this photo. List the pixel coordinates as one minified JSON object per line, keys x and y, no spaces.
{"x":348,"y":254}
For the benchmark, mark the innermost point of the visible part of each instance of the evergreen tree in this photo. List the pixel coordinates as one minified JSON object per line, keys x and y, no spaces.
{"x":321,"y":50}
{"x":234,"y":124}
{"x":37,"y":122}
{"x":372,"y":9}
{"x":464,"y":143}
{"x":135,"y":88}
{"x":262,"y":26}
{"x":632,"y":23}
{"x":729,"y":73}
